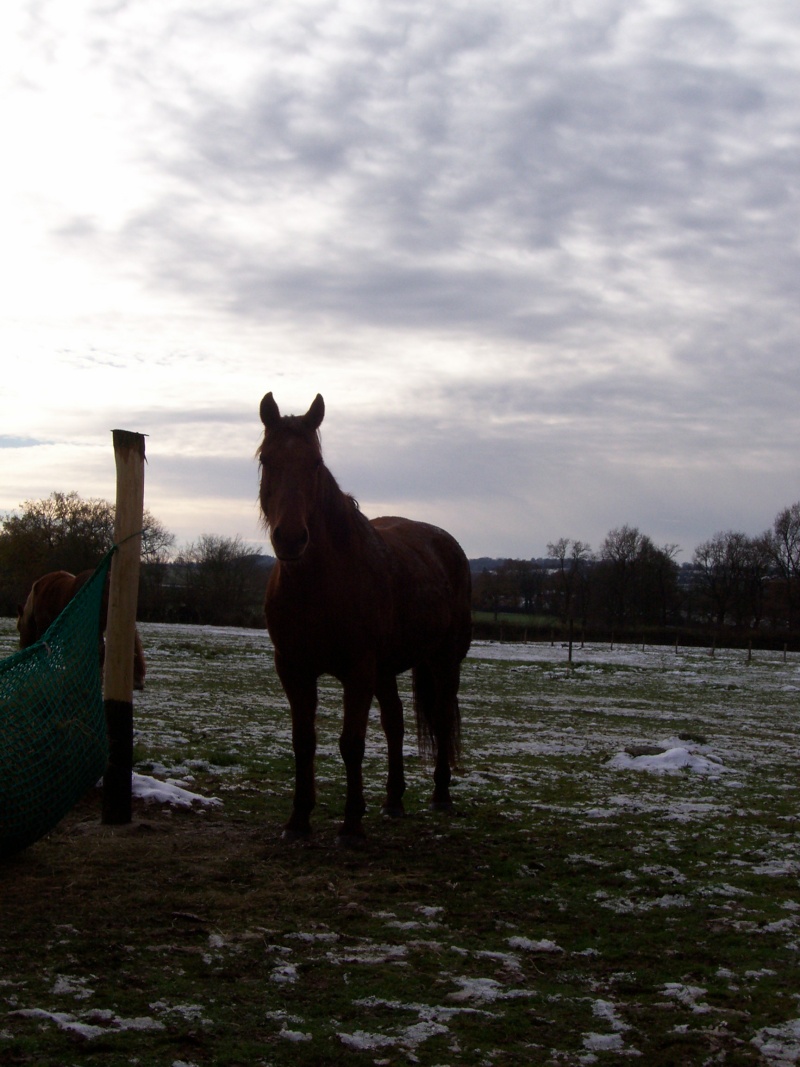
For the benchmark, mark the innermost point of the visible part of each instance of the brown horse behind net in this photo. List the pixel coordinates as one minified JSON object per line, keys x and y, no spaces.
{"x":362,"y":601}
{"x":48,"y":597}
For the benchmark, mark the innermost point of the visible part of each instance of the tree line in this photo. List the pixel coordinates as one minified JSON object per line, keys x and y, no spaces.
{"x":215,"y":580}
{"x":735,"y":586}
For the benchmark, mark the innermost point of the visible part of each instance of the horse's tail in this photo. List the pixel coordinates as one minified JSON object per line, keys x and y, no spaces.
{"x":436,"y":706}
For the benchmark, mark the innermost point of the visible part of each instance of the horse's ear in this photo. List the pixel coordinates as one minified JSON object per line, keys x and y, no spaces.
{"x":315,"y":414}
{"x":270,"y":415}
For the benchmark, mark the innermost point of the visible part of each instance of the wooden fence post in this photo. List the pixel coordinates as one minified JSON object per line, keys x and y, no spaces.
{"x":121,"y":626}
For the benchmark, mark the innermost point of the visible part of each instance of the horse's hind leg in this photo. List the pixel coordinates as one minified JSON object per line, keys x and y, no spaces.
{"x":392,"y":723}
{"x":442,"y":775}
{"x":436,"y":691}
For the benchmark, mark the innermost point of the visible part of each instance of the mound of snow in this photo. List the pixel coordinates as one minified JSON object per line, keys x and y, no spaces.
{"x":669,"y":761}
{"x":169,"y":792}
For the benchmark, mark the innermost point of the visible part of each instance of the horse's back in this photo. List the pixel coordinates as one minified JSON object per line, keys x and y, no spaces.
{"x":432,"y":589}
{"x":48,"y":597}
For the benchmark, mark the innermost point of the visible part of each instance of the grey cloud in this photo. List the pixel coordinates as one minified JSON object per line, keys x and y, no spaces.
{"x":465,"y":160}
{"x":607,"y":204}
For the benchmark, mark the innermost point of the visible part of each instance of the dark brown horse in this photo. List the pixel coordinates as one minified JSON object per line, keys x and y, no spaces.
{"x":362,"y":601}
{"x":48,"y":597}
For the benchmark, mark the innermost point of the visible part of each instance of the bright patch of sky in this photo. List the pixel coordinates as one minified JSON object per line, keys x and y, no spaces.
{"x":541,"y":260}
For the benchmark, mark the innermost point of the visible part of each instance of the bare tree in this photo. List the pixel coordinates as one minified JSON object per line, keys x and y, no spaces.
{"x":639,"y":578}
{"x":656,"y":581}
{"x":523,"y":579}
{"x":223,"y":580}
{"x":572,"y":557}
{"x":63,"y":532}
{"x":732,"y":567}
{"x":618,"y":554}
{"x":157,"y":547}
{"x":783,"y":545}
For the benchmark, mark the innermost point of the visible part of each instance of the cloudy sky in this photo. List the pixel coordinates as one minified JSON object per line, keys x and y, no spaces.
{"x":541,"y":257}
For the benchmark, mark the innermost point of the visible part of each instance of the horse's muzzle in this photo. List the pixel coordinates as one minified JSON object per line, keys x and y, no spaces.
{"x":289,"y":547}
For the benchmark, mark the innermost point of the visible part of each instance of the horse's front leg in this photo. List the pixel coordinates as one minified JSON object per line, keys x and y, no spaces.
{"x":301,"y":691}
{"x":357,"y":700}
{"x":392,"y":723}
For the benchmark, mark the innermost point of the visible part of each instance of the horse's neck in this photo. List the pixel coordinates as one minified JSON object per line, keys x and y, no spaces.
{"x":336,"y":524}
{"x":340,"y":539}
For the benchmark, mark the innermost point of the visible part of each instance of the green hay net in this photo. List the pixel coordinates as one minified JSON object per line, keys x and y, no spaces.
{"x":53,"y":743}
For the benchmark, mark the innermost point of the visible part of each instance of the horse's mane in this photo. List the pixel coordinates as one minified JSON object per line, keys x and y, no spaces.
{"x":342,"y":513}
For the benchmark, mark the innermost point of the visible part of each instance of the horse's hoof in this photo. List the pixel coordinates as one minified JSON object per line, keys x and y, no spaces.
{"x":393,"y":811}
{"x":442,"y":805}
{"x":290,"y":836}
{"x":351,"y":839}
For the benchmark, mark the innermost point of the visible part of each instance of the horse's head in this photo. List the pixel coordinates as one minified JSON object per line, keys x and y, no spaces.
{"x":291,"y":461}
{"x":47,"y":598}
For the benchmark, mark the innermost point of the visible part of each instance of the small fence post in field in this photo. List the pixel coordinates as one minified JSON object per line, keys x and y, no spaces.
{"x":571,"y":630}
{"x":121,"y":626}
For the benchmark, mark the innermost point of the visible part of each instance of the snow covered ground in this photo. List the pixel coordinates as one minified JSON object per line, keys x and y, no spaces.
{"x":699,"y":743}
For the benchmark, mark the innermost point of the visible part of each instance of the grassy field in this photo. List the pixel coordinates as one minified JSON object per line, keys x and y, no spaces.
{"x":621,"y":878}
